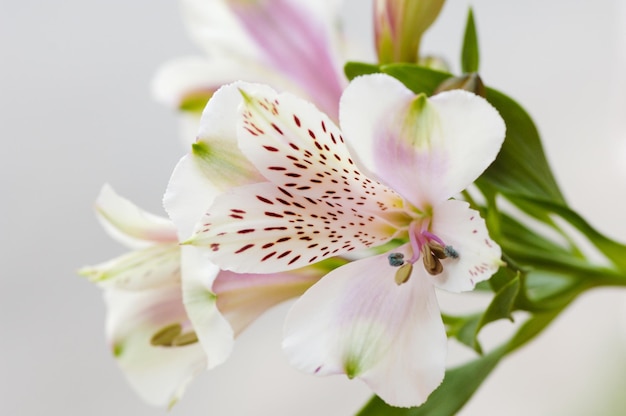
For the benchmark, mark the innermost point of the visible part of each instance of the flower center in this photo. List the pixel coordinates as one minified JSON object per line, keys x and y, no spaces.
{"x":425,"y":245}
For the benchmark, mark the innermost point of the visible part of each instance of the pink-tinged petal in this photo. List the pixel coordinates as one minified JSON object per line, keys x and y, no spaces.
{"x":479,"y":257}
{"x":293,"y":42}
{"x":426,"y":149}
{"x":242,"y":298}
{"x":142,"y":269}
{"x":213,"y":330}
{"x":158,"y":374}
{"x":129,"y":224}
{"x":299,"y":148}
{"x":264,"y":229}
{"x":357,"y":321}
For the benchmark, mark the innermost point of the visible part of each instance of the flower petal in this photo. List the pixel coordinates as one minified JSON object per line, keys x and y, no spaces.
{"x":158,"y":374}
{"x":213,"y":330}
{"x":216,"y":29}
{"x":426,"y":149}
{"x":299,"y":148}
{"x":359,"y":322}
{"x":129,"y":224}
{"x":242,"y":298}
{"x":214,"y":165}
{"x":297,"y":44}
{"x":185,"y":83}
{"x":260,"y":228}
{"x":146,"y":268}
{"x":463,"y":229}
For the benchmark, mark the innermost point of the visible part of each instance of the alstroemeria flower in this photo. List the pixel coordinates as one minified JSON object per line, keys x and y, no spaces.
{"x":143,"y":296}
{"x":289,"y":44}
{"x":149,"y":327}
{"x":376,"y":318}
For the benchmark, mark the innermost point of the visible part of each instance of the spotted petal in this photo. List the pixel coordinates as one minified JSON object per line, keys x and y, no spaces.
{"x":262,"y":229}
{"x":158,"y":374}
{"x":359,"y":322}
{"x":300,"y":149}
{"x":129,"y":224}
{"x":214,"y":164}
{"x":426,"y":149}
{"x":463,"y":229}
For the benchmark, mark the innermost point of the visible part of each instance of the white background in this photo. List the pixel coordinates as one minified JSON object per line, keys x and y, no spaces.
{"x":76,"y":112}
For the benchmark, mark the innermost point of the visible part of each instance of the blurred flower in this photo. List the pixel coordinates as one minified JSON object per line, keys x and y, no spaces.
{"x":399,"y":26}
{"x":375,"y":318}
{"x":148,"y":327}
{"x":289,"y":44}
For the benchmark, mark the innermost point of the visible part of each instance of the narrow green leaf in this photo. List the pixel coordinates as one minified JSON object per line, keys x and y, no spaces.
{"x":354,"y":69}
{"x":457,"y":388}
{"x":614,"y":251}
{"x":470,"y":54}
{"x":502,"y":304}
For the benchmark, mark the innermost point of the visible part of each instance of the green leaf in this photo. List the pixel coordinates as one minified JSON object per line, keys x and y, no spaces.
{"x":354,"y":69}
{"x":456,"y":389}
{"x":502,"y":304}
{"x":418,"y":79}
{"x":614,"y":251}
{"x":470,"y":54}
{"x":521,"y":167}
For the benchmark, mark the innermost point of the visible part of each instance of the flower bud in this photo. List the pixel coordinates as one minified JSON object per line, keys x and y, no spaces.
{"x":399,"y":25}
{"x":468,"y":82}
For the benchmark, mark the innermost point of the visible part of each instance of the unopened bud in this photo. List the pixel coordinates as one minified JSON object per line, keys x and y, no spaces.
{"x":468,"y":82}
{"x":399,"y":25}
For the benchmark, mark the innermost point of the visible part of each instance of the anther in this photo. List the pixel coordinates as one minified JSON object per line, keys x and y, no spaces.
{"x":185,"y":339}
{"x":166,"y":335}
{"x":451,"y":252}
{"x":431,"y":263}
{"x":396,"y":259}
{"x":404,"y":273}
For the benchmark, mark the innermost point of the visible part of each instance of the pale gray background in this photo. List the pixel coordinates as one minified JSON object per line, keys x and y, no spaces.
{"x":76,"y":111}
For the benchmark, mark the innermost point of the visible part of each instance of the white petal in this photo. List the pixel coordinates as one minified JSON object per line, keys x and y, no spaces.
{"x":242,"y":298}
{"x":426,"y":150}
{"x":463,"y":229}
{"x":359,"y":322}
{"x":215,"y":29}
{"x":158,"y":374}
{"x":263,"y":229}
{"x":214,"y":332}
{"x":214,"y":165}
{"x":364,"y":104}
{"x":129,"y":224}
{"x":299,"y":148}
{"x":146,"y":268}
{"x":187,"y":76}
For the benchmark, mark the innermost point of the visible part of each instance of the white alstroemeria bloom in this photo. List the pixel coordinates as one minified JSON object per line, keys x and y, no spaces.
{"x":151,"y":331}
{"x":290,"y":44}
{"x":376,"y":318}
{"x":147,"y":327}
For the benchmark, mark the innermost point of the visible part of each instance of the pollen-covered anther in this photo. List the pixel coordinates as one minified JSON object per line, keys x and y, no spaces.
{"x":403,"y":273}
{"x":396,"y":259}
{"x":165,"y":336}
{"x":432,"y":264}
